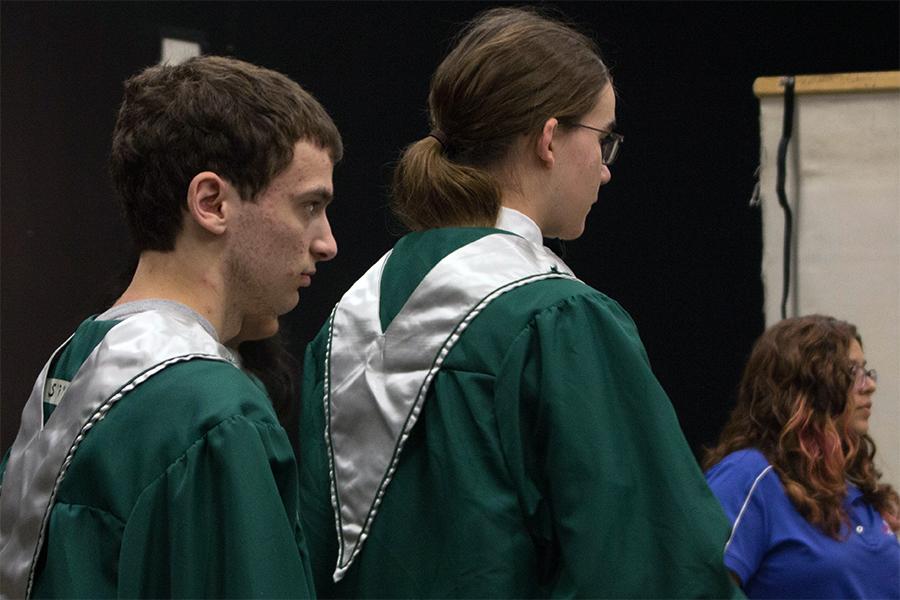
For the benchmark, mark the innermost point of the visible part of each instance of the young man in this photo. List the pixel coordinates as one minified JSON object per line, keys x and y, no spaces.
{"x":147,"y":462}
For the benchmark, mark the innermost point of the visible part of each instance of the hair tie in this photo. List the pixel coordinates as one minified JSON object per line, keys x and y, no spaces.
{"x":441,"y":137}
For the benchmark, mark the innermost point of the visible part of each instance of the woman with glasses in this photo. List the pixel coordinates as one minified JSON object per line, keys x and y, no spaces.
{"x":477,"y":422}
{"x":794,"y":471}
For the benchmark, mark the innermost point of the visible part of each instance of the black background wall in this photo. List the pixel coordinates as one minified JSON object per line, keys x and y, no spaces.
{"x":672,"y":238}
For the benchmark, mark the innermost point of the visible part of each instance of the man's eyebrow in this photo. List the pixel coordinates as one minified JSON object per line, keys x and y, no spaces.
{"x":320,"y":193}
{"x":611,"y":126}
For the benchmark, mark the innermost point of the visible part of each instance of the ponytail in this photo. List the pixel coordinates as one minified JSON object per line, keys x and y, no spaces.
{"x":510,"y":70}
{"x":429,"y":190}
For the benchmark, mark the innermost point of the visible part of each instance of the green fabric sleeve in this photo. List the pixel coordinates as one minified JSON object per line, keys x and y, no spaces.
{"x":315,"y":485}
{"x":82,"y":552}
{"x":3,"y":464}
{"x":218,"y":523}
{"x":605,"y":475}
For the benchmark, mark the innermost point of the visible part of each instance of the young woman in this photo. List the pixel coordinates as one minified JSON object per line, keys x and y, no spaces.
{"x":793,"y":470}
{"x":477,"y":421}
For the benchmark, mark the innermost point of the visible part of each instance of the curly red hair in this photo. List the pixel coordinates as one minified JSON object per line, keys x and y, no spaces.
{"x":794,"y":407}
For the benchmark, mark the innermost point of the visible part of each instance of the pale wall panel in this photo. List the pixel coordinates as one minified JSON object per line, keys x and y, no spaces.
{"x":844,"y":188}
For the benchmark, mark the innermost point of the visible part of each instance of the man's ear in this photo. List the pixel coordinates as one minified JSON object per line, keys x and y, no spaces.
{"x":208,"y":201}
{"x":544,"y":143}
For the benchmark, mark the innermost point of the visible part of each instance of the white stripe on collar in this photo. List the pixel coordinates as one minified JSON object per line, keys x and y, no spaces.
{"x":134,"y":307}
{"x":519,"y":223}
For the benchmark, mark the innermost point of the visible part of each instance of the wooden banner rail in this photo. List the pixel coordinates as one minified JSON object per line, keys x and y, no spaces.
{"x":831,"y":83}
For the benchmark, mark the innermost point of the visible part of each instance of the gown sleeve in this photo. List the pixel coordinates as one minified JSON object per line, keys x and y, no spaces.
{"x":221,"y":521}
{"x":3,"y":462}
{"x":603,"y":469}
{"x":315,"y":488}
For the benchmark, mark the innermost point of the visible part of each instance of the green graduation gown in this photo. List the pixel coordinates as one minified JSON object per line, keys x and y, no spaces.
{"x":187,"y":487}
{"x":543,"y":458}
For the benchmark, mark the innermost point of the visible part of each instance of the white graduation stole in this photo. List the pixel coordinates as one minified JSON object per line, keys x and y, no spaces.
{"x":131,"y":352}
{"x":376,"y":382}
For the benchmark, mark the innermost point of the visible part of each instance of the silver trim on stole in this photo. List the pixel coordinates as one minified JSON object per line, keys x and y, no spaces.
{"x":130,"y":353}
{"x":376,"y":382}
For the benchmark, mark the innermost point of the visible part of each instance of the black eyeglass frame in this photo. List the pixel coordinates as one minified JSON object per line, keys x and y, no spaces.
{"x":609,"y":146}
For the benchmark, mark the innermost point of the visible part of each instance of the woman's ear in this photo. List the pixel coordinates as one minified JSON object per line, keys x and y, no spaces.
{"x":544,"y":143}
{"x":207,"y":198}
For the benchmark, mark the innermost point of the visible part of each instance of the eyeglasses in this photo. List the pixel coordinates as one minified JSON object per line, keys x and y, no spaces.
{"x":859,"y":373}
{"x":609,"y":145}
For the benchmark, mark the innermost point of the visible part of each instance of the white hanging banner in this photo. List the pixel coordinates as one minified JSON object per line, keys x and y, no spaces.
{"x":843,"y":186}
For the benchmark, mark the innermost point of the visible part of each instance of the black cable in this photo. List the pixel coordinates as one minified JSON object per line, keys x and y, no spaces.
{"x":786,"y":130}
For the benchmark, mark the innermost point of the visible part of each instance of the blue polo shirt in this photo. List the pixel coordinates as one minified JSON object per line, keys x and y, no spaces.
{"x":778,"y":554}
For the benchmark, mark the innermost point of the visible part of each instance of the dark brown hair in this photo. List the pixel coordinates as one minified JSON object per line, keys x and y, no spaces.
{"x":794,"y":406}
{"x":510,"y":71}
{"x":210,"y":113}
{"x":271,"y":362}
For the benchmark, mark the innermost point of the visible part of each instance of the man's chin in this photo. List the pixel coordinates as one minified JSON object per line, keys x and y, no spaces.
{"x":257,"y":329}
{"x":271,"y":330}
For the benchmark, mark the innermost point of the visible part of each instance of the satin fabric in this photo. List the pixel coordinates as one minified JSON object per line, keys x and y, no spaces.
{"x":546,"y":460}
{"x":187,"y":488}
{"x":377,"y":380}
{"x":130,"y":353}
